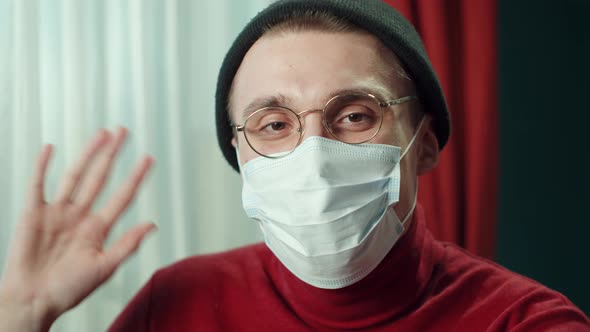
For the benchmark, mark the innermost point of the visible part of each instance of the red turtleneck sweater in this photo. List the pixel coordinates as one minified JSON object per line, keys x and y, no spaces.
{"x":422,"y":285}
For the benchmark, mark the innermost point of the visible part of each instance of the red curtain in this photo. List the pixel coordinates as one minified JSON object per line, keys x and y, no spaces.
{"x":460,"y":195}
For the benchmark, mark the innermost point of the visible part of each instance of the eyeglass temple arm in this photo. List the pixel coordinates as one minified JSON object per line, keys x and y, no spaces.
{"x":398,"y":101}
{"x":237,"y":127}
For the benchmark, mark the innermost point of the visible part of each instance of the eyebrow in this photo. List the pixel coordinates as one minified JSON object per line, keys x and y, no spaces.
{"x":378,"y":92}
{"x":281,"y":100}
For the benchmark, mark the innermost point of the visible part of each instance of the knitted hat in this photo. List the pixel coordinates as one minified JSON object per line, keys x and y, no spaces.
{"x":374,"y":16}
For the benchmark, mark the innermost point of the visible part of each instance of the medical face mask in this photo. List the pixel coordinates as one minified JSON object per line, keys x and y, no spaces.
{"x":326,"y":209}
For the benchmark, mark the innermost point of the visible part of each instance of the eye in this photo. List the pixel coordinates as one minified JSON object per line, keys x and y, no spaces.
{"x":275,"y":130}
{"x":277,"y":125}
{"x":274,"y":126}
{"x":349,"y":118}
{"x":355,"y":117}
{"x":271,"y":124}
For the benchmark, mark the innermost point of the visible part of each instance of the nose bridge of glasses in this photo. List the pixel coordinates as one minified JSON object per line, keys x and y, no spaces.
{"x":303,"y":113}
{"x":314,"y":125}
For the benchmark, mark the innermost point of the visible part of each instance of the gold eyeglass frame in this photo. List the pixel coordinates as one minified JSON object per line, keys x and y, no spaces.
{"x":301,"y":129}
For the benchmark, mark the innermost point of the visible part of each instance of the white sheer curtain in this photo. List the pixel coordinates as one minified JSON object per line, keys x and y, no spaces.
{"x":69,"y":67}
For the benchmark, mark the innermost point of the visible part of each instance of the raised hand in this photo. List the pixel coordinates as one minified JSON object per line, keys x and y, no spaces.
{"x":57,"y":257}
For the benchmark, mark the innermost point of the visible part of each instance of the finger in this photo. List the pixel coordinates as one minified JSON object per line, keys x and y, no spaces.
{"x":96,"y":178}
{"x":124,"y":247}
{"x":73,"y":176}
{"x":124,"y":196}
{"x":36,"y":192}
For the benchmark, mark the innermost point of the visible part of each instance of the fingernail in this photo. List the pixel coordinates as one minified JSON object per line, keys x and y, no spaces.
{"x":152,"y":230}
{"x":122,"y":131}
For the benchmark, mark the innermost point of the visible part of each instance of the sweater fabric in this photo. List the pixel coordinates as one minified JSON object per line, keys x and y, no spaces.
{"x":421,"y":285}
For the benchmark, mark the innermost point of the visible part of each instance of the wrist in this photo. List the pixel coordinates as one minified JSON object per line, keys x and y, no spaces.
{"x":20,"y":316}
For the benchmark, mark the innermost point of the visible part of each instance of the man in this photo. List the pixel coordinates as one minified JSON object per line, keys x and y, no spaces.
{"x":329,"y":110}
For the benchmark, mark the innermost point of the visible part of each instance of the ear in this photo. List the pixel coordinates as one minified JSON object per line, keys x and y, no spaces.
{"x":234,"y":140}
{"x":428,"y":149}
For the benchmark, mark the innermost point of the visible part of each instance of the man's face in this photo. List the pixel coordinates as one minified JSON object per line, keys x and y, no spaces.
{"x":306,"y":69}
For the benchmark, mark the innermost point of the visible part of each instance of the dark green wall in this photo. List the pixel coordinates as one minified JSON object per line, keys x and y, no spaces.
{"x":544,"y":90}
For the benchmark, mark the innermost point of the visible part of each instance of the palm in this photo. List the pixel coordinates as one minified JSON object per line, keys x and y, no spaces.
{"x":68,"y":259}
{"x":57,"y":257}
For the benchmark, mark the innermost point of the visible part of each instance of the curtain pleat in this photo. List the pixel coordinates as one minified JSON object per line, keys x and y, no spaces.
{"x":70,"y":67}
{"x":460,"y":195}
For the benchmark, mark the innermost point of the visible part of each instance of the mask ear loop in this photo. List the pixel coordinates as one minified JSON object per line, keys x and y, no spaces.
{"x":238,"y":159}
{"x":413,"y":138}
{"x":403,"y":222}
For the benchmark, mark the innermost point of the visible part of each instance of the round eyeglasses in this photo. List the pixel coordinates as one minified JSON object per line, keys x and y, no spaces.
{"x":353,"y":118}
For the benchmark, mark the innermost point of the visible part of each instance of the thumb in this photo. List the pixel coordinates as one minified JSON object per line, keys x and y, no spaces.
{"x":124,"y":247}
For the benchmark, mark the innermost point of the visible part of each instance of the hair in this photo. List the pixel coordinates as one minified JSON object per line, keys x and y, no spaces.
{"x":313,"y":20}
{"x":323,"y":21}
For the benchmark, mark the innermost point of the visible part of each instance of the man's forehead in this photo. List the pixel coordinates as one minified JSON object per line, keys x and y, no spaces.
{"x":280,"y":68}
{"x":385,"y":56}
{"x":368,"y":85}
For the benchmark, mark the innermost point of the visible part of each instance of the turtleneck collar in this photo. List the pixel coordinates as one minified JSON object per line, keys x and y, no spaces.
{"x":386,"y":294}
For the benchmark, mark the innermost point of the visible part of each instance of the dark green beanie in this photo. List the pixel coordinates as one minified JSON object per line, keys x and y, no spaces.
{"x":374,"y":16}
